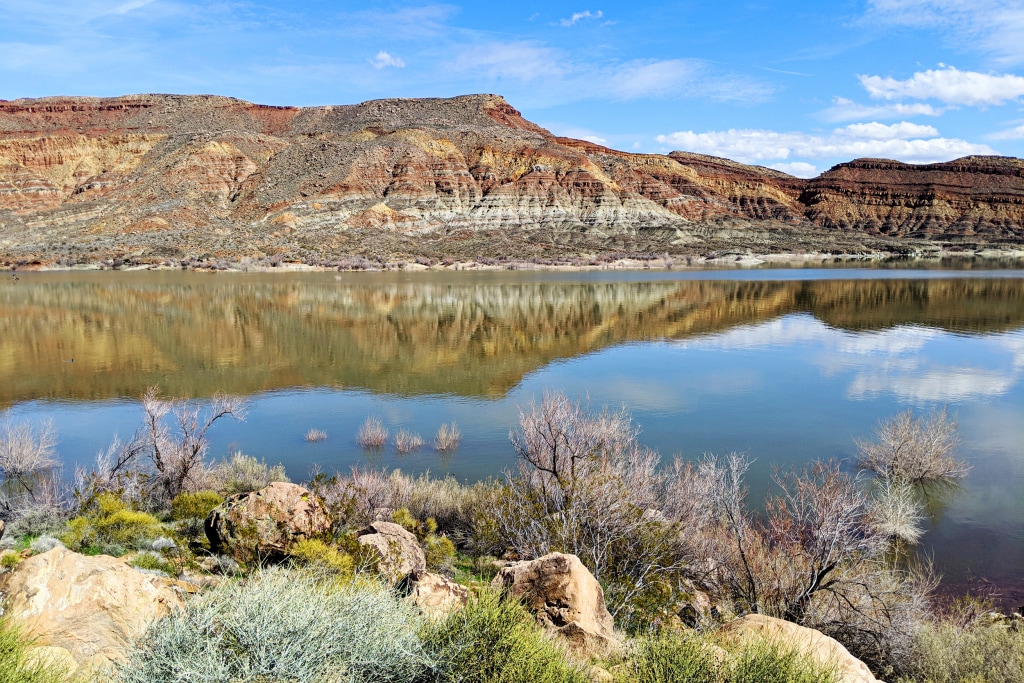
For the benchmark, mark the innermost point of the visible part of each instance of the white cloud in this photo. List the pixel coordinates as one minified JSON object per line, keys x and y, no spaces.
{"x":843,"y":109}
{"x":384,"y":59}
{"x":903,"y":130}
{"x":948,"y":84}
{"x":576,"y":17}
{"x":801,"y":169}
{"x":943,"y":385}
{"x":903,"y":141}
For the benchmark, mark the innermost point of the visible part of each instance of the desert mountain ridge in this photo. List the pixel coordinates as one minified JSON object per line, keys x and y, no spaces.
{"x":156,"y":177}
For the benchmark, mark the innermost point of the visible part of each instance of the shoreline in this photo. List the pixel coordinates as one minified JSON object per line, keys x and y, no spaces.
{"x":727,"y":261}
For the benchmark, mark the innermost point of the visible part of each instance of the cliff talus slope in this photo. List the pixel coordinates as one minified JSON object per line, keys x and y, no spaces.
{"x":150,"y":177}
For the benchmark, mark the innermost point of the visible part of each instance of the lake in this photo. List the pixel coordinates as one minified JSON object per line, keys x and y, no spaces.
{"x":785,"y":365}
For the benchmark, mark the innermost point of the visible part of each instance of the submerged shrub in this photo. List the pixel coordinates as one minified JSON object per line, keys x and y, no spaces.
{"x":372,"y":434}
{"x":914,"y":448}
{"x":496,"y":641}
{"x":283,"y":626}
{"x":314,"y":435}
{"x":110,"y":526}
{"x":407,"y":442}
{"x":448,"y":437}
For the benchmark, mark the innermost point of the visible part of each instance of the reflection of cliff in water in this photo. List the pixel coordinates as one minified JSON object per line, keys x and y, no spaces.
{"x":196,"y":335}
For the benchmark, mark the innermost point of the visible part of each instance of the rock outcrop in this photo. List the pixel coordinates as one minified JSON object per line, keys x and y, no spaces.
{"x":399,"y":553}
{"x":153,"y":177}
{"x":263,"y":525}
{"x":814,"y":644}
{"x":84,"y":611}
{"x":566,"y":599}
{"x":436,"y":595}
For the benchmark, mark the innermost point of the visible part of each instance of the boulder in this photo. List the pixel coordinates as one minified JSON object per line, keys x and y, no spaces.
{"x":566,"y":599}
{"x":263,"y":525}
{"x":814,"y":644}
{"x":437,"y":595}
{"x":84,"y":610}
{"x":400,"y":553}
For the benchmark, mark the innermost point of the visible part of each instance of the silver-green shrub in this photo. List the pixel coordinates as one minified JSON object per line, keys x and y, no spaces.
{"x":282,"y":626}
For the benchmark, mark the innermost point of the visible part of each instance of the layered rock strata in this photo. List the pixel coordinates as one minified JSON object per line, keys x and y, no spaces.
{"x":151,"y":177}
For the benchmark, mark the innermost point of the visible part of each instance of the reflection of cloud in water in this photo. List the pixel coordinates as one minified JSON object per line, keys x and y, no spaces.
{"x":940,"y":384}
{"x":894,"y":361}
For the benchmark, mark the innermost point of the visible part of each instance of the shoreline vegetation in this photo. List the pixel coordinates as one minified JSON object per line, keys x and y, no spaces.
{"x":738,"y":259}
{"x":285,"y":582}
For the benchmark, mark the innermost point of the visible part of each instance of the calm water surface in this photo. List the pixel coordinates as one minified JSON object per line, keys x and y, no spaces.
{"x":787,"y":366}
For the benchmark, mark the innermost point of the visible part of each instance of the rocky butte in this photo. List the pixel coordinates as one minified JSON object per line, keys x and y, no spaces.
{"x":148,"y":178}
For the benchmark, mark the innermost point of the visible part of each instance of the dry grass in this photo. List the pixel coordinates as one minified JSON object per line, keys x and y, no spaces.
{"x":314,"y":435}
{"x":448,"y":437}
{"x":407,"y":442}
{"x":373,"y":433}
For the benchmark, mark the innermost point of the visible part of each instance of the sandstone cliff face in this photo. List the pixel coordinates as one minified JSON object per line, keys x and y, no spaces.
{"x":158,"y":176}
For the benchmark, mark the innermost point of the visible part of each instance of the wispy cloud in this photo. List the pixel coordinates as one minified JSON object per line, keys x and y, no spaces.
{"x":1015,"y":133}
{"x":948,"y":84}
{"x":843,"y":109}
{"x":990,"y":26}
{"x":383,"y":59}
{"x":554,"y":77}
{"x":903,"y":141}
{"x":580,"y":16}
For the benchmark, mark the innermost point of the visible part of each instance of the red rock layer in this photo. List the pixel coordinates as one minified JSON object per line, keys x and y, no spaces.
{"x":229,"y":175}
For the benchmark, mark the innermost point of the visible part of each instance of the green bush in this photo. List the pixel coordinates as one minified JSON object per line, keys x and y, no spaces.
{"x":671,"y":659}
{"x":764,"y":661}
{"x":317,"y":554}
{"x":110,"y":526}
{"x":279,"y":626}
{"x":194,"y":505}
{"x":16,"y":664}
{"x":979,"y":652}
{"x":496,"y":641}
{"x":153,"y":562}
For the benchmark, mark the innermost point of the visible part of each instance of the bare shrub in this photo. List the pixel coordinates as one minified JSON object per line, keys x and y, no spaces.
{"x":448,"y":438}
{"x":407,"y":442}
{"x":817,"y":558}
{"x":584,"y":485}
{"x":373,"y":433}
{"x":32,"y":497}
{"x":172,"y":445}
{"x":897,"y":511}
{"x":914,"y":448}
{"x":26,"y":453}
{"x":315,"y":435}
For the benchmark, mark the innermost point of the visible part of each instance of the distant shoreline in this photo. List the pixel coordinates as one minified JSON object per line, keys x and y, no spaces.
{"x":726,"y":261}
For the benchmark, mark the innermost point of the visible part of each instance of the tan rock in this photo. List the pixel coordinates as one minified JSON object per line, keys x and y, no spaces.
{"x":437,"y":595}
{"x":263,"y":525}
{"x":566,"y":598}
{"x":91,"y":607}
{"x":400,"y":553}
{"x":816,"y":645}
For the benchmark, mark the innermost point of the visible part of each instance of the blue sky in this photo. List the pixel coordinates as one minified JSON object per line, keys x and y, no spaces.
{"x":798,"y":86}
